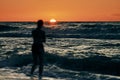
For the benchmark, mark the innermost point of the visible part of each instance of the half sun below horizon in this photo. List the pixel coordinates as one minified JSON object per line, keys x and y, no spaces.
{"x":52,"y":20}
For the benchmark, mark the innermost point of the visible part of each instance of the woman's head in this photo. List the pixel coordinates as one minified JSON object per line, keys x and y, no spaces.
{"x":40,"y":23}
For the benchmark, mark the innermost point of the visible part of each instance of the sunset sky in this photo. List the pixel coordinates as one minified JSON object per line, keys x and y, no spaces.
{"x":61,"y":10}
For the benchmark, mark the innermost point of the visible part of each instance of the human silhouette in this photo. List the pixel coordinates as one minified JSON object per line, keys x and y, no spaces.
{"x":38,"y":48}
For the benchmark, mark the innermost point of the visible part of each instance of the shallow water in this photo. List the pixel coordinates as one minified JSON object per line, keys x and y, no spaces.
{"x":67,"y":57}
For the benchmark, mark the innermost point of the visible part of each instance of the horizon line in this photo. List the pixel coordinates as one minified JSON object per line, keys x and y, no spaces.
{"x":66,"y":21}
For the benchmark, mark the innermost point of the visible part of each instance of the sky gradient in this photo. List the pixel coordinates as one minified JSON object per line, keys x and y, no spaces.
{"x":61,"y":10}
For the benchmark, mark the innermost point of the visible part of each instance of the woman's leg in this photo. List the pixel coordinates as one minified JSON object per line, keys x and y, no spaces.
{"x":41,"y":60}
{"x":40,"y":66}
{"x":35,"y":57}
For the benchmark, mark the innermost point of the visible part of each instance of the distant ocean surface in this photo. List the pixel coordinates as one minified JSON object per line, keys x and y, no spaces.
{"x":101,"y":30}
{"x":74,"y":50}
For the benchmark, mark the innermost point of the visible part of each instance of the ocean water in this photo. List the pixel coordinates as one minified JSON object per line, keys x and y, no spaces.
{"x":73,"y":50}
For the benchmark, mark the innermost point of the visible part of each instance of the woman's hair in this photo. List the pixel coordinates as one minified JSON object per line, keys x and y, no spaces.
{"x":40,"y":23}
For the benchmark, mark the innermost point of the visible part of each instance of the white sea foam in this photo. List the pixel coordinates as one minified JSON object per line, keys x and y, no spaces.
{"x":16,"y":58}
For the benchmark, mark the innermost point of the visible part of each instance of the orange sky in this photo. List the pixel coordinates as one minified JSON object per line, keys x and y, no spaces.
{"x":61,"y":10}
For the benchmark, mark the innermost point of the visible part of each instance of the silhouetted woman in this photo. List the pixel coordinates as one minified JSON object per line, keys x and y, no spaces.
{"x":38,"y":48}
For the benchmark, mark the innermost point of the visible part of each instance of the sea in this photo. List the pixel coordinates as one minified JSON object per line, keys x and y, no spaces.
{"x":73,"y":50}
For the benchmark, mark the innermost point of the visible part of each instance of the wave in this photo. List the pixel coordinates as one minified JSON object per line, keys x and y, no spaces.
{"x":69,"y":30}
{"x":97,"y":64}
{"x":7,"y":28}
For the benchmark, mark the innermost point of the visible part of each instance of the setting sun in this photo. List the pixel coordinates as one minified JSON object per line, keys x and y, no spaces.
{"x":52,"y":20}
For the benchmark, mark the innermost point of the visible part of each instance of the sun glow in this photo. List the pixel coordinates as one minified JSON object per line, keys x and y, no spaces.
{"x":52,"y":21}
